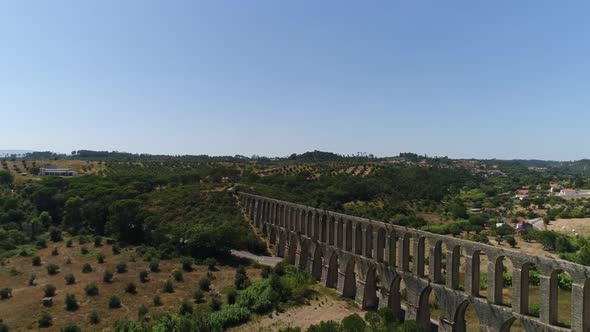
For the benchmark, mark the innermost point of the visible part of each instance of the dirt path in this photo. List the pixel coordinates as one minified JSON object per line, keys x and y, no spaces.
{"x":263,"y":260}
{"x":324,"y":309}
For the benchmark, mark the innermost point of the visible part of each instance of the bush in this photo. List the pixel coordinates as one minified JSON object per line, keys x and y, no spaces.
{"x":69,"y":243}
{"x":353,"y":323}
{"x":121,"y":268}
{"x":71,"y":302}
{"x":231,"y":296}
{"x":187,"y":264}
{"x":534,"y":310}
{"x":142,"y":311}
{"x":231,"y":315}
{"x":154,"y":265}
{"x":157,"y":301}
{"x":114,"y":302}
{"x":100,"y":258}
{"x":41,"y":244}
{"x":98,"y":241}
{"x":91,"y":289}
{"x":241,"y":280}
{"x":70,"y":279}
{"x":215,"y":303}
{"x":52,"y":269}
{"x":410,"y":326}
{"x":325,"y":326}
{"x":36,"y":261}
{"x":168,"y":287}
{"x":86,"y":268}
{"x":198,"y":296}
{"x":185,"y":309}
{"x":143,"y":276}
{"x":177,"y":274}
{"x":130,"y":288}
{"x":32,"y":280}
{"x":116,"y":249}
{"x":55,"y":234}
{"x":84,"y":251}
{"x":93,"y":317}
{"x":83,"y":240}
{"x":5,"y":293}
{"x":265,"y":272}
{"x":49,"y":290}
{"x":71,"y":328}
{"x":44,"y":320}
{"x":107,"y":276}
{"x":211,"y":264}
{"x":55,"y":252}
{"x":204,"y":284}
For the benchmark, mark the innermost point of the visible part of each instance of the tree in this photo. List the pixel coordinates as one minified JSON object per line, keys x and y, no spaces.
{"x":125,"y":222}
{"x":73,"y":214}
{"x":511,"y":241}
{"x":6,"y":177}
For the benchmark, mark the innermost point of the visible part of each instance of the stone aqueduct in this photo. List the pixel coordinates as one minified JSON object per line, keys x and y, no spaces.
{"x":368,"y":260}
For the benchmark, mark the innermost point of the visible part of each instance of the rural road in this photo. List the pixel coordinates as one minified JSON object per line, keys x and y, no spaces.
{"x":263,"y":260}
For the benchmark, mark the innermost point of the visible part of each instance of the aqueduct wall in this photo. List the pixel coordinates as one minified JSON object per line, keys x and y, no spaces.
{"x":368,"y":260}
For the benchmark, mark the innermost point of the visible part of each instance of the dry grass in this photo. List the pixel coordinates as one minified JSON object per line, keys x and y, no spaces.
{"x":570,"y":227}
{"x":22,"y":310}
{"x":92,"y":167}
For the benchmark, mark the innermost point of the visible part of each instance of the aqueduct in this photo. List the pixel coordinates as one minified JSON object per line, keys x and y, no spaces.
{"x":368,"y":261}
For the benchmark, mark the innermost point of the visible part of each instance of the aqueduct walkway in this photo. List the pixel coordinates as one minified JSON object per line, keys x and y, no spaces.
{"x":368,"y":261}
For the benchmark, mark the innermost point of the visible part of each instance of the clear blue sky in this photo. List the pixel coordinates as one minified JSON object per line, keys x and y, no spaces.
{"x":505,"y":79}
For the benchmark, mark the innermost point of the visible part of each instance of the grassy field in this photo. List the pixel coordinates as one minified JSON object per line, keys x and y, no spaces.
{"x":22,"y":310}
{"x":80,"y":166}
{"x":571,"y":227}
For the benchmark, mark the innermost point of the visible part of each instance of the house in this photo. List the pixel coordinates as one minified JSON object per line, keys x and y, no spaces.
{"x":522,"y":225}
{"x":567,"y":192}
{"x":522,"y":197}
{"x":57,"y":172}
{"x":523,"y":192}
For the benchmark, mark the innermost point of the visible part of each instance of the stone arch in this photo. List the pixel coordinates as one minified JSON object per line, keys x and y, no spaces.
{"x":348,"y":239}
{"x":370,"y":300}
{"x":419,"y":259}
{"x":524,"y":287}
{"x":273,"y":234}
{"x":392,"y":243}
{"x":349,"y":289}
{"x":302,"y":221}
{"x":396,"y":297}
{"x":292,"y":252}
{"x":496,"y":295}
{"x":281,"y":216}
{"x":316,"y":226}
{"x":332,"y":276}
{"x":340,"y":233}
{"x":282,"y":243}
{"x":369,"y":241}
{"x":423,"y":311}
{"x":380,"y":248}
{"x":465,"y":310}
{"x":358,"y":239}
{"x":437,"y":267}
{"x":304,"y":255}
{"x":453,"y":261}
{"x":316,"y":269}
{"x":309,"y":224}
{"x":323,"y":228}
{"x":331,"y":230}
{"x":265,"y":230}
{"x":477,"y":284}
{"x":404,"y":252}
{"x":556,"y":303}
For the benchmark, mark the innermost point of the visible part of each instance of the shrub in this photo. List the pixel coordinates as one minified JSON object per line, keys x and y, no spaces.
{"x":187,"y":264}
{"x":143,"y":276}
{"x":265,"y":272}
{"x":70,"y":279}
{"x":121,"y":268}
{"x":91,"y":289}
{"x":107,"y":276}
{"x":130,"y":288}
{"x":185,"y":309}
{"x":83,"y":240}
{"x":157,"y":301}
{"x":177,"y":274}
{"x":98,"y":241}
{"x":142,"y":311}
{"x":5,"y":293}
{"x":69,"y":243}
{"x":41,"y":244}
{"x":353,"y":322}
{"x":49,"y":290}
{"x":114,"y":302}
{"x":116,"y":249}
{"x":198,"y":296}
{"x":93,"y":317}
{"x":84,"y":250}
{"x":204,"y":284}
{"x":32,"y":280}
{"x":100,"y":258}
{"x":52,"y":269}
{"x":45,"y":320}
{"x":534,"y":310}
{"x":211,"y":264}
{"x":231,"y":315}
{"x":71,"y":302}
{"x":215,"y":303}
{"x":71,"y":328}
{"x":154,"y":265}
{"x":55,"y":234}
{"x":409,"y":326}
{"x":36,"y":261}
{"x":241,"y":280}
{"x":86,"y":268}
{"x":232,"y":295}
{"x":55,"y":252}
{"x":326,"y":326}
{"x":168,"y":287}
